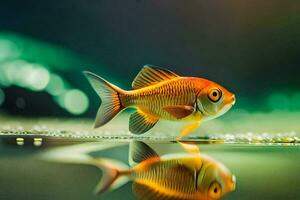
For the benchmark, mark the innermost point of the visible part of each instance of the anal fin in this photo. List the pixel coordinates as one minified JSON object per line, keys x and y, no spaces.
{"x":140,"y":122}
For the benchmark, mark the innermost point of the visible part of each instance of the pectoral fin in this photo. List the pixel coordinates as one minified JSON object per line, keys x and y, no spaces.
{"x":189,"y":147}
{"x":179,"y":111}
{"x":187,"y":129}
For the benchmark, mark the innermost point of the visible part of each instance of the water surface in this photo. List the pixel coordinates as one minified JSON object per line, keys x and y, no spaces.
{"x":263,"y":171}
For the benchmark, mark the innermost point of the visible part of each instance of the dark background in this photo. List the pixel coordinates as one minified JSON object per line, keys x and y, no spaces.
{"x":250,"y":47}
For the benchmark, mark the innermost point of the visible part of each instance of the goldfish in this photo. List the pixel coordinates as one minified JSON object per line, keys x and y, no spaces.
{"x":171,"y":176}
{"x":161,"y":94}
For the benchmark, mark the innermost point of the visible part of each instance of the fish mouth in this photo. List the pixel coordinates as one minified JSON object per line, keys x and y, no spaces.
{"x":227,"y":105}
{"x":232,"y":100}
{"x":225,"y":109}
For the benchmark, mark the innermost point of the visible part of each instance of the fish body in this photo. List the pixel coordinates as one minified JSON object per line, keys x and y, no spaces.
{"x":161,"y":94}
{"x":154,"y":99}
{"x":186,"y":176}
{"x":173,"y":178}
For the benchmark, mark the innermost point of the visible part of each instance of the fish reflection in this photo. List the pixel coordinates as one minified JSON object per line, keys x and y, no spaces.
{"x":171,"y":176}
{"x":186,"y":176}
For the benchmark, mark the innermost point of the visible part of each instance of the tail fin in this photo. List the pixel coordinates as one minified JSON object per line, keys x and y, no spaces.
{"x":113,"y":174}
{"x":109,"y":95}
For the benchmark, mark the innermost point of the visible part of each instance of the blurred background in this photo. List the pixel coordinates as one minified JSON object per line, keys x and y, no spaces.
{"x":250,"y":47}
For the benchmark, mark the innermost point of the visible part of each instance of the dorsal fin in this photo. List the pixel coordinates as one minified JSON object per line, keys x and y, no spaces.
{"x":151,"y":75}
{"x":139,"y":151}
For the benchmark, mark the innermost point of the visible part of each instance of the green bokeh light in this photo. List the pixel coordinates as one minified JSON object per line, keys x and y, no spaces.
{"x":56,"y":85}
{"x":24,"y":74}
{"x":28,"y":63}
{"x":8,"y":49}
{"x":10,"y":68}
{"x":22,"y":70}
{"x":38,"y":78}
{"x":75,"y":101}
{"x":60,"y":99}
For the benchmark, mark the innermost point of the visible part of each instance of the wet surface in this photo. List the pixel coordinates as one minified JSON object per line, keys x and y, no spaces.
{"x":262,"y":171}
{"x":264,"y":159}
{"x":246,"y":128}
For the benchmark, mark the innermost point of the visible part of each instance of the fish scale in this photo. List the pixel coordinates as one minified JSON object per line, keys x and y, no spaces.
{"x":162,"y":174}
{"x":153,"y":98}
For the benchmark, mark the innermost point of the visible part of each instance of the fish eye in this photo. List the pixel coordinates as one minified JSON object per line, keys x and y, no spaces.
{"x":215,"y":190}
{"x":215,"y":94}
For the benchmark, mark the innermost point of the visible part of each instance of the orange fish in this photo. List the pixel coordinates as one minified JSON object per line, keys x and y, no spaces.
{"x":161,"y":94}
{"x":172,"y":176}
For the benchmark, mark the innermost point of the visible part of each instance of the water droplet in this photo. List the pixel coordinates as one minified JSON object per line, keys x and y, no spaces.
{"x":20,"y":141}
{"x":37,"y":142}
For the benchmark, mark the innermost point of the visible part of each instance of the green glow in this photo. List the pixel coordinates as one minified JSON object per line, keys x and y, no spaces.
{"x":18,"y":46}
{"x":2,"y":96}
{"x":60,"y":99}
{"x":56,"y":85}
{"x":10,"y":69}
{"x":295,"y":101}
{"x":20,"y":70}
{"x":278,"y":101}
{"x":38,"y":78}
{"x":3,"y":78}
{"x":76,"y":102}
{"x":8,"y":49}
{"x":24,"y":74}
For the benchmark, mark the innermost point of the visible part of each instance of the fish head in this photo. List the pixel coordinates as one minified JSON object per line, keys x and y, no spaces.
{"x":213,"y":100}
{"x":215,"y":180}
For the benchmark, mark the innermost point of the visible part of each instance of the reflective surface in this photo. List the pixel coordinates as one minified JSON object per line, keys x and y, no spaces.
{"x":262,"y":171}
